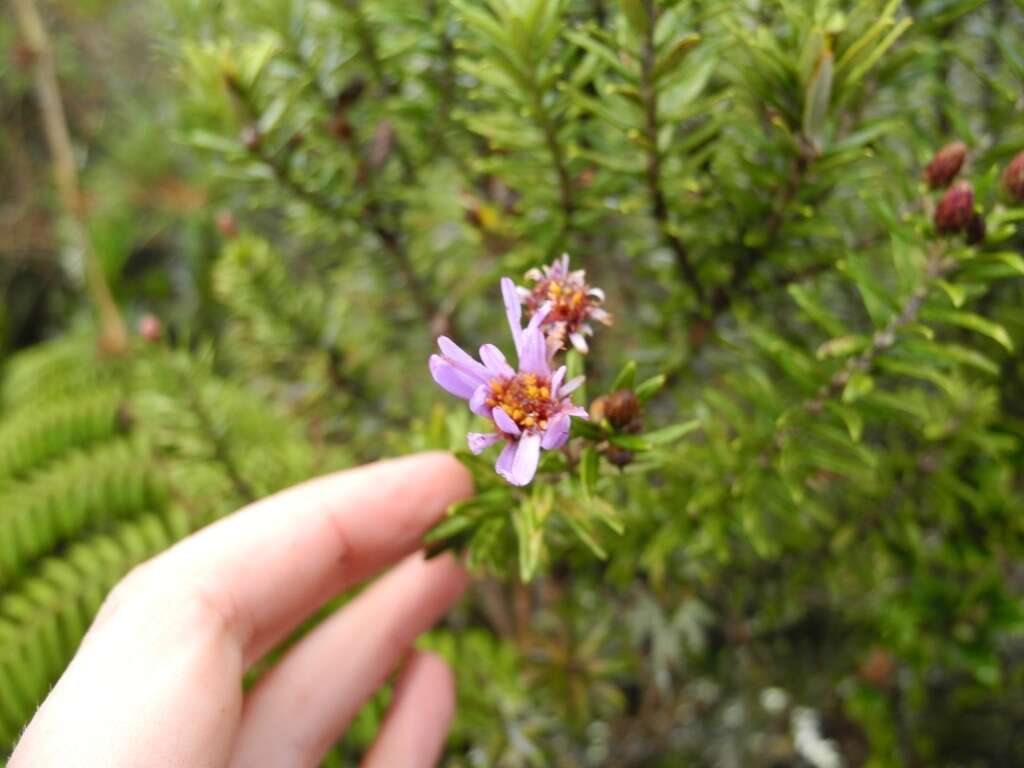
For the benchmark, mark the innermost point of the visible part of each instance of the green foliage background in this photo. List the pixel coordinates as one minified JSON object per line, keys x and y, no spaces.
{"x":823,"y":511}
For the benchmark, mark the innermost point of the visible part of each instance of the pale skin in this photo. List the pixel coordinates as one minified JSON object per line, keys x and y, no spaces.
{"x":157,"y":681}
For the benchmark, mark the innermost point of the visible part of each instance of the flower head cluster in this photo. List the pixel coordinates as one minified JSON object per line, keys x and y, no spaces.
{"x":572,"y":304}
{"x":529,"y":406}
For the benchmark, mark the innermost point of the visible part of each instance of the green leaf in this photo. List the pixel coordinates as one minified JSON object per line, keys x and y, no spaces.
{"x":972,"y":322}
{"x":587,"y":429}
{"x":843,"y":346}
{"x":817,"y":98}
{"x":574,"y":362}
{"x":636,"y":15}
{"x":672,"y":433}
{"x":584,"y":531}
{"x":588,"y":470}
{"x":676,"y":56}
{"x":956,"y":293}
{"x":816,"y":311}
{"x":649,"y":388}
{"x":602,"y":52}
{"x":859,"y":385}
{"x":626,"y":378}
{"x":635,"y":443}
{"x":852,"y":418}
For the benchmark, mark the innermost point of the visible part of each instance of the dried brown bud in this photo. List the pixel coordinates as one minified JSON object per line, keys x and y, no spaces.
{"x":955,"y":209}
{"x":1013,"y":178}
{"x":350,"y":94}
{"x":620,"y":457}
{"x":252,"y":138}
{"x":621,"y":409}
{"x":976,"y":229}
{"x":226,"y":224}
{"x":945,"y":165}
{"x":150,"y":328}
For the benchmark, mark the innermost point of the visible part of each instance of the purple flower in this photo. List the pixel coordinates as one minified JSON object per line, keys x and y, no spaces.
{"x":529,"y":408}
{"x":572,"y":304}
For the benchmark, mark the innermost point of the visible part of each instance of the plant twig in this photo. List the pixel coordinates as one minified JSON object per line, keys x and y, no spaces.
{"x":649,"y":97}
{"x":113,"y":336}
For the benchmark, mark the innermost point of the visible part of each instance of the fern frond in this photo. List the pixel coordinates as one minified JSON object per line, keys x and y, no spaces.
{"x":52,"y":370}
{"x":43,"y":620}
{"x":35,"y":435}
{"x":82,"y":492}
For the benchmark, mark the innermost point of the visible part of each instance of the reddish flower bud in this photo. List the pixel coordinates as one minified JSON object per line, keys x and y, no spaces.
{"x":226,"y":224}
{"x":150,"y":328}
{"x":955,"y":209}
{"x":945,"y":165}
{"x":1013,"y":178}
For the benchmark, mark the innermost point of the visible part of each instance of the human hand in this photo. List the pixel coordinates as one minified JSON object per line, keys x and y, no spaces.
{"x":157,"y":681}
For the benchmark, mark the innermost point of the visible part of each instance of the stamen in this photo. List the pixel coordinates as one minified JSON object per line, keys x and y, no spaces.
{"x":526,"y":398}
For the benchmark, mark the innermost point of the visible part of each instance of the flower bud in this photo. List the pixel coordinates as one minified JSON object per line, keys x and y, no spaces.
{"x":621,"y":409}
{"x":945,"y":165}
{"x":620,"y":457}
{"x":955,"y":209}
{"x":150,"y":328}
{"x":1013,"y":178}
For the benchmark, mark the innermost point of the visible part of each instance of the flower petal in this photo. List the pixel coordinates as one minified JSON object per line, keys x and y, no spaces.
{"x":556,"y":381}
{"x":460,"y":359}
{"x":524,"y":466}
{"x":557,"y":432}
{"x":504,"y":422}
{"x":478,"y":401}
{"x":514,"y":311}
{"x":577,"y":411}
{"x":495,"y":361}
{"x":571,"y":386}
{"x":450,"y":379}
{"x":480,"y":441}
{"x":534,"y":356}
{"x":506,"y":460}
{"x":579,"y":342}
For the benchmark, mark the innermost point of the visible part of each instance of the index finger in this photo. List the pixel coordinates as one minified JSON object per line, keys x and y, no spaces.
{"x":261,"y":571}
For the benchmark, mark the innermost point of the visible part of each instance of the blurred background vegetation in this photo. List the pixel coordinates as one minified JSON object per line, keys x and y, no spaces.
{"x":277,"y":206}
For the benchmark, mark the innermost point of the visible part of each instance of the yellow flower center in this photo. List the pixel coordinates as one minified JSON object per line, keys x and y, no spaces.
{"x":569,"y":302}
{"x":526,"y":398}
